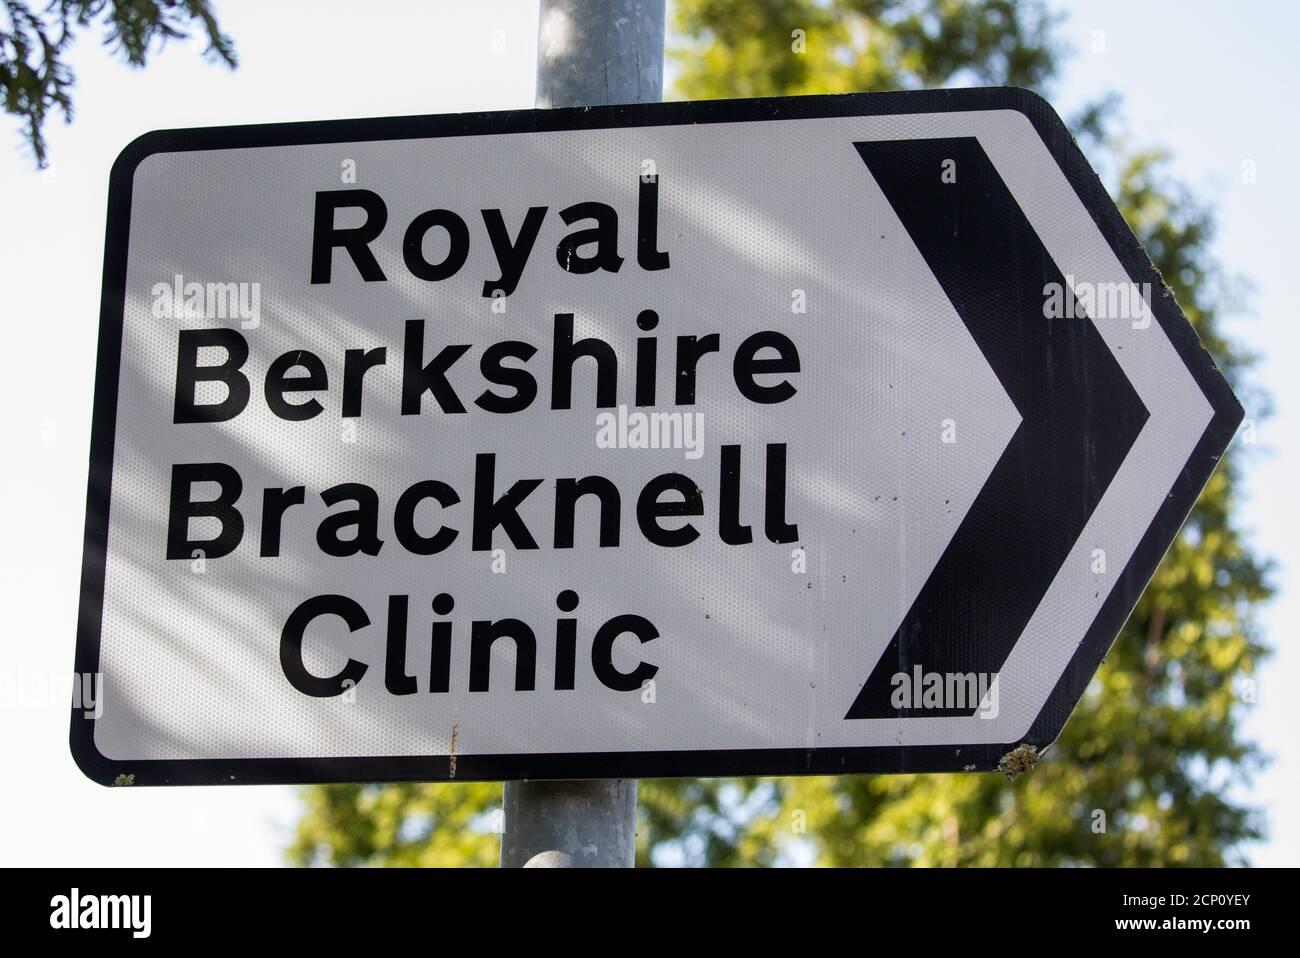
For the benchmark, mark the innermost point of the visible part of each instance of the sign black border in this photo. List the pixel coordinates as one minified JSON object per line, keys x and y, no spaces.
{"x":631,"y":764}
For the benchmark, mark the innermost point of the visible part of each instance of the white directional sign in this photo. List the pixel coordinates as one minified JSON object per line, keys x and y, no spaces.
{"x":810,"y":435}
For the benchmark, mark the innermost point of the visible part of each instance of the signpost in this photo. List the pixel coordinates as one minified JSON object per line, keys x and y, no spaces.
{"x":589,"y":53}
{"x":809,"y":435}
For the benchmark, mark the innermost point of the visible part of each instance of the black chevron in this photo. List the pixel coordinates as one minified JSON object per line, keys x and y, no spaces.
{"x":1080,"y":416}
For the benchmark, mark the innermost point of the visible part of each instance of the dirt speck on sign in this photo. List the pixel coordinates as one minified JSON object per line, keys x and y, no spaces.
{"x":451,"y":751}
{"x":1019,"y":760}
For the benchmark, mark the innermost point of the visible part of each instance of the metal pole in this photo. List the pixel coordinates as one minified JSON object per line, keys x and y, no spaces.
{"x":570,"y":824}
{"x":593,"y":52}
{"x":589,"y":53}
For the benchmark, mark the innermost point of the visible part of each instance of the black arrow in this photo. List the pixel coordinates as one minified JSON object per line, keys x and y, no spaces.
{"x":1080,"y":416}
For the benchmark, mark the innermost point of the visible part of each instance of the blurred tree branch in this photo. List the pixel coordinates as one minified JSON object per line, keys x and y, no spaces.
{"x":35,"y":78}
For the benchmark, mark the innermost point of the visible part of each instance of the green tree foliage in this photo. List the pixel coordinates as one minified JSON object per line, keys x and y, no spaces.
{"x":744,"y":48}
{"x":35,"y":78}
{"x":399,"y":825}
{"x":1143,"y":773}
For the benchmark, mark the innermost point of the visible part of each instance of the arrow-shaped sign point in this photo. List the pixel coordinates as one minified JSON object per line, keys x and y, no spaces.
{"x":1080,"y":416}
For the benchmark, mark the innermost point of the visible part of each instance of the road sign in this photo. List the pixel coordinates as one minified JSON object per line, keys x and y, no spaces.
{"x":809,"y":435}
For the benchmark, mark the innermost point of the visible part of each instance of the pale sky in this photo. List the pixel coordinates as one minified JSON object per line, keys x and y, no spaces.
{"x":1216,"y":85}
